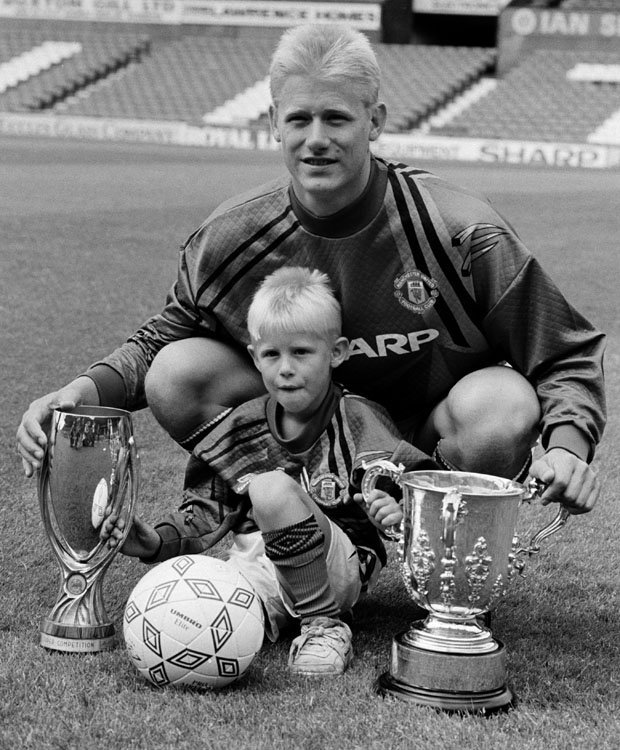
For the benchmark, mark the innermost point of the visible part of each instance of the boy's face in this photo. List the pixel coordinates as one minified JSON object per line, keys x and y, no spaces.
{"x":297,"y":368}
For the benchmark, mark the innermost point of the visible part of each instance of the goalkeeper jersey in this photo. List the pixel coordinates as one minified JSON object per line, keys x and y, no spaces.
{"x":433,"y":284}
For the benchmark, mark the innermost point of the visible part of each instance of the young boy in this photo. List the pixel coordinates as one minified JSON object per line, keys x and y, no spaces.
{"x":280,"y":472}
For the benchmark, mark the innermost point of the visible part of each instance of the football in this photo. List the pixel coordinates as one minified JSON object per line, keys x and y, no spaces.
{"x":193,"y":621}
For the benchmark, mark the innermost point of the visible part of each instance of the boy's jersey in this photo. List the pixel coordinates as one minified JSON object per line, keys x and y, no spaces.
{"x":244,"y":441}
{"x":433,"y":284}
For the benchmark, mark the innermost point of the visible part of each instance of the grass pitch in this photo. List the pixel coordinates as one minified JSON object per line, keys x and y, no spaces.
{"x":89,"y":238}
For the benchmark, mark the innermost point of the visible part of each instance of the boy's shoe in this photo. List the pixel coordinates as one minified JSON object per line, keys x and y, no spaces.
{"x":323,"y":648}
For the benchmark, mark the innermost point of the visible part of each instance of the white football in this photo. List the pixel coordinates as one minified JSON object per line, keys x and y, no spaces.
{"x":193,"y":621}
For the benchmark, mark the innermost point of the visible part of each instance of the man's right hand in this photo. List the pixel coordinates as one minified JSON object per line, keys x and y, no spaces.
{"x":31,"y":433}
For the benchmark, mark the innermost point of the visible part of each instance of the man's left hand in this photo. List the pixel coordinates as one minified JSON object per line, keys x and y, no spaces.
{"x":569,"y":480}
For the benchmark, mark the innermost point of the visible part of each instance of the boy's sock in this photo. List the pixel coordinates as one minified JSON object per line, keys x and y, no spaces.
{"x":297,"y":551}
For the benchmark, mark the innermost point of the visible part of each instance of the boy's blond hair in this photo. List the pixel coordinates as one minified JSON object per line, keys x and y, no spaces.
{"x":295,"y":299}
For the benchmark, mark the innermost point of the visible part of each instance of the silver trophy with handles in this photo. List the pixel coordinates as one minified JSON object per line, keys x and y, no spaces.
{"x":90,"y":467}
{"x":458,"y":553}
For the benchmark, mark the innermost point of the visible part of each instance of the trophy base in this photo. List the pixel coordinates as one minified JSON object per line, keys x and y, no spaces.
{"x":79,"y":639}
{"x":448,"y":681}
{"x":486,"y":702}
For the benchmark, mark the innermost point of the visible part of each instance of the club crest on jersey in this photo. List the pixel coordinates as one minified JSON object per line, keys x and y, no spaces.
{"x":416,"y":291}
{"x":327,"y":490}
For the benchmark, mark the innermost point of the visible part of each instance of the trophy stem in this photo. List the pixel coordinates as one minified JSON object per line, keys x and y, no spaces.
{"x":78,"y":621}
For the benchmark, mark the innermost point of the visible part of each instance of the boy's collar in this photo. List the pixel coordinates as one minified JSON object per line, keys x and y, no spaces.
{"x":353,"y":217}
{"x":310,"y":433}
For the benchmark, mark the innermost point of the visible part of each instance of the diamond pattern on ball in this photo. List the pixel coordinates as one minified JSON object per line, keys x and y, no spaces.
{"x":241,"y":598}
{"x":227,"y":667}
{"x":158,"y":676}
{"x":221,"y":629}
{"x":182,"y":564}
{"x":131,"y":611}
{"x":188,"y":658}
{"x":203,"y":589}
{"x":160,"y":594}
{"x":151,"y":637}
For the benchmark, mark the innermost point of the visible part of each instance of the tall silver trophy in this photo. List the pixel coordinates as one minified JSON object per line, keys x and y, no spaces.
{"x":458,"y":552}
{"x":90,"y":466}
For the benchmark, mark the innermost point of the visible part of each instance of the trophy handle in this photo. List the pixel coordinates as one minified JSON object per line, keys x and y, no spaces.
{"x":534,"y":489}
{"x":382,"y":468}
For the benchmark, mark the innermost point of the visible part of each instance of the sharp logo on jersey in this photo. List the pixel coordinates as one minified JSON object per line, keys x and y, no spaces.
{"x":327,"y":490}
{"x":484,"y":237}
{"x":393,"y":343}
{"x":415,"y":290}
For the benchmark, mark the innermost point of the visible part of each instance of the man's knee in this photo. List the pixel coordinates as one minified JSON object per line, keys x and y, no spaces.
{"x":496,"y":402}
{"x":488,"y":422}
{"x":192,"y":380}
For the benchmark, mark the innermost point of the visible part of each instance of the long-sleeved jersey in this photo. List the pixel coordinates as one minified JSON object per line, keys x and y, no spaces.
{"x":433,"y":284}
{"x":327,"y":459}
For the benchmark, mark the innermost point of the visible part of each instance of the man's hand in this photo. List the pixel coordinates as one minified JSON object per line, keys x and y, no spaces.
{"x":31,"y":433}
{"x":382,"y":509}
{"x":142,"y":539}
{"x":569,"y":480}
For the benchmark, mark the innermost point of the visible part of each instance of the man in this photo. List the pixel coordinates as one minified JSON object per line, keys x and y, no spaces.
{"x":438,"y":296}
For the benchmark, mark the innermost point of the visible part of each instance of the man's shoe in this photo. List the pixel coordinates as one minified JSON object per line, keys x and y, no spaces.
{"x":323,"y":648}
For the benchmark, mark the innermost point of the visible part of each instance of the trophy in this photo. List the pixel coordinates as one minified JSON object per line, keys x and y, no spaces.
{"x":458,"y":553}
{"x":90,"y":467}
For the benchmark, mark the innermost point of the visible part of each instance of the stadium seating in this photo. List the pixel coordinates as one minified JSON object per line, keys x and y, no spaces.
{"x":551,"y":95}
{"x":221,"y":80}
{"x":94,"y":57}
{"x":540,"y":100}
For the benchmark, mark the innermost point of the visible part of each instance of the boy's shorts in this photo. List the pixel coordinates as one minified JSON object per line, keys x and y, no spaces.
{"x":247,"y":554}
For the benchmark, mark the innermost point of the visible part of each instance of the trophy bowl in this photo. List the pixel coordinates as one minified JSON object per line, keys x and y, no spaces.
{"x":459,"y":553}
{"x":90,"y":468}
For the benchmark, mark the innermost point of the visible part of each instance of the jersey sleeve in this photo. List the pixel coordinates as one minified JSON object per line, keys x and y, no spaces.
{"x":541,"y":335}
{"x":120,"y":376}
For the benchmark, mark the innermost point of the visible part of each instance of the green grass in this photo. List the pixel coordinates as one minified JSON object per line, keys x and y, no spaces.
{"x":89,"y":237}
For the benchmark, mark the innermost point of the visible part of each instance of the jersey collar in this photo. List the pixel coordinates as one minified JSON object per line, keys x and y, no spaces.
{"x":351,"y":218}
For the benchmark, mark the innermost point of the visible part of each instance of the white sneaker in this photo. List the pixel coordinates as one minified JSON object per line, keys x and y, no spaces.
{"x":323,"y":648}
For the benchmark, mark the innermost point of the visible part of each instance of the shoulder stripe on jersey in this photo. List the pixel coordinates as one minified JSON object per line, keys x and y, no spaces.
{"x":232,"y":256}
{"x":331,"y":455}
{"x":439,"y":252}
{"x":230,"y":437}
{"x":344,"y":446}
{"x":441,"y":306}
{"x":252,"y":262}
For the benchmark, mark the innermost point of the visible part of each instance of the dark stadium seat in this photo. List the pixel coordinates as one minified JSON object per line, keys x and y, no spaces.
{"x":538,"y":101}
{"x":99,"y":55}
{"x":418,"y":79}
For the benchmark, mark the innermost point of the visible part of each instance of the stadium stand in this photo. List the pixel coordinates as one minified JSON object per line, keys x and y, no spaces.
{"x":98,"y":56}
{"x":198,"y":78}
{"x":420,"y":79}
{"x":222,"y":80}
{"x":541,"y":100}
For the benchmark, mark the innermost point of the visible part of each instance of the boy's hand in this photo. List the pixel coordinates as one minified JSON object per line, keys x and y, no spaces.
{"x":382,"y":509}
{"x":142,"y":539}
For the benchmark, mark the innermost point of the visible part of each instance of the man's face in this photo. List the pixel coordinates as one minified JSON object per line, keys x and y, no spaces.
{"x":297,"y":369}
{"x":325,"y":129}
